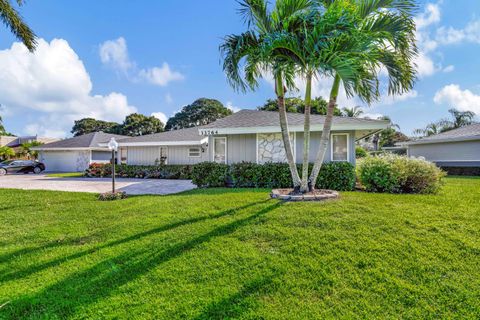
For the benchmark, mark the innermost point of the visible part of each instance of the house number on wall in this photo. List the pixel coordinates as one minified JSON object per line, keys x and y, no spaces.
{"x":208,"y":132}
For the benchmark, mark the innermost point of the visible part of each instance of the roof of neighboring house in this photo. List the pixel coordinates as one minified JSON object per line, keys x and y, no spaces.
{"x":467,"y":133}
{"x":86,"y":141}
{"x":13,"y":141}
{"x":255,"y":121}
{"x":188,"y":136}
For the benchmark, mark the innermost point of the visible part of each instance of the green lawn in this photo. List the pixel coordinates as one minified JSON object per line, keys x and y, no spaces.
{"x":216,"y":254}
{"x":66,"y":175}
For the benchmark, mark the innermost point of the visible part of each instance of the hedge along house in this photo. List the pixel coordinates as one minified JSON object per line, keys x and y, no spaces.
{"x":247,"y":136}
{"x":77,"y":153}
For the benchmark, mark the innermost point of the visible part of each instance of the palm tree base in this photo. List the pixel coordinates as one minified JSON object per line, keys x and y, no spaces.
{"x":315,"y":195}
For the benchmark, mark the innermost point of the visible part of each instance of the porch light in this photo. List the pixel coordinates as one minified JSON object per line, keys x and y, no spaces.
{"x":113,"y":146}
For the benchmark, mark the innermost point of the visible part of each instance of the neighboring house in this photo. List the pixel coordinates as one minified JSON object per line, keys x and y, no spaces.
{"x":455,"y":148}
{"x":250,"y":136}
{"x":76,"y":154}
{"x":16,"y":142}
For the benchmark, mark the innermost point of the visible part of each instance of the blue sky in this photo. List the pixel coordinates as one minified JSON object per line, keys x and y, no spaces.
{"x":112,"y":58}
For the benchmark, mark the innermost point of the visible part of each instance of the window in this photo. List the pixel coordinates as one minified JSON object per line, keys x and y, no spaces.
{"x":194,"y":152}
{"x":220,"y":150}
{"x":340,"y":147}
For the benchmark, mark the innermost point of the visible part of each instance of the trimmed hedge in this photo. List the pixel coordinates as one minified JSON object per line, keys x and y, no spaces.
{"x":334,"y":175}
{"x":100,"y":170}
{"x":210,"y":175}
{"x":399,"y":174}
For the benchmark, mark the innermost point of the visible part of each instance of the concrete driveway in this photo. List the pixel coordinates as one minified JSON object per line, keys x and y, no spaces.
{"x":95,"y":185}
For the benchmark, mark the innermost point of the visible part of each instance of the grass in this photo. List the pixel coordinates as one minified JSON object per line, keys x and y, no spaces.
{"x":216,"y":254}
{"x":66,"y":175}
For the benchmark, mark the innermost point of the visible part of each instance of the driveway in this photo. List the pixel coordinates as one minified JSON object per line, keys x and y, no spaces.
{"x":95,"y":185}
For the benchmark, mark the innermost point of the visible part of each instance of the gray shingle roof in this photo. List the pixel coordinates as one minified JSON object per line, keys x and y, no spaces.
{"x":90,"y":140}
{"x":188,"y":134}
{"x":471,"y":132}
{"x":256,"y":118}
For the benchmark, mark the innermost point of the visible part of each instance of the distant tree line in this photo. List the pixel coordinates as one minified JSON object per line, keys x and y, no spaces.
{"x":458,"y":119}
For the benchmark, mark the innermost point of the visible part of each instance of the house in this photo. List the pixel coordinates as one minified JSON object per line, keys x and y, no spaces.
{"x":458,"y":148}
{"x":248,"y":135}
{"x":76,"y":154}
{"x":16,"y":142}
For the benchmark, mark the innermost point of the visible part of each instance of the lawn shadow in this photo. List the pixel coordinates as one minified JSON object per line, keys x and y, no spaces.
{"x":18,"y":274}
{"x":235,"y":305}
{"x":102,"y":280}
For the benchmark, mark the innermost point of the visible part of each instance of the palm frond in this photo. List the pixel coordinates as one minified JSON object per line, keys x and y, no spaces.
{"x":13,"y":20}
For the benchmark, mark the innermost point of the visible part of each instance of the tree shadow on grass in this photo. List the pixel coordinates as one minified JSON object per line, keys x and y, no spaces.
{"x":18,"y":274}
{"x":84,"y":288}
{"x":235,"y":305}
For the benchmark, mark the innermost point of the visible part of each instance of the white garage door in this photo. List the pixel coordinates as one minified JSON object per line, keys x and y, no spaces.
{"x":64,"y":161}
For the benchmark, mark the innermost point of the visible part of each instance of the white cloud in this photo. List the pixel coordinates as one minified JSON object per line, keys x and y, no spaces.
{"x":388,"y":100}
{"x":115,"y":54}
{"x":425,"y":65}
{"x":161,"y":116}
{"x":453,"y":96}
{"x":430,"y":16}
{"x":230,"y":106}
{"x":449,"y":69}
{"x":160,"y":76}
{"x":55,"y":83}
{"x":450,"y":35}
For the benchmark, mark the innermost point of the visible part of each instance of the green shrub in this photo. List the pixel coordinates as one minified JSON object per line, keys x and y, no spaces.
{"x":130,"y":171}
{"x":335,"y":175}
{"x":110,"y":196}
{"x":338,"y":176}
{"x":210,"y":174}
{"x":360,"y":152}
{"x":399,"y":174}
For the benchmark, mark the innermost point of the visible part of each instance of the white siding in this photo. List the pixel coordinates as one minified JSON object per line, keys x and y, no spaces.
{"x":175,"y":155}
{"x":447,"y":151}
{"x":142,"y":155}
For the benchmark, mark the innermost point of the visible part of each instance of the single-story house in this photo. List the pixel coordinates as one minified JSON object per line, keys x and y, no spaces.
{"x":455,"y":148}
{"x":16,"y":142}
{"x":247,"y":135}
{"x":77,"y":153}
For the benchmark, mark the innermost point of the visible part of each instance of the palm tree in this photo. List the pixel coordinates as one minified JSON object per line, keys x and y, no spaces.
{"x":6,"y":153}
{"x":313,"y":48}
{"x":461,"y":118}
{"x":249,"y":55}
{"x":386,"y":38}
{"x":13,"y":20}
{"x":430,"y":130}
{"x":354,"y":112}
{"x":26,"y":149}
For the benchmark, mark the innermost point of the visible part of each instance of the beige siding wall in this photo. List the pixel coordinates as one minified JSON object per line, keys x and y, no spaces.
{"x":448,"y":151}
{"x":175,"y":155}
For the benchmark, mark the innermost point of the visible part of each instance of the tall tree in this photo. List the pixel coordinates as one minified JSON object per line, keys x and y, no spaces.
{"x":14,"y":21}
{"x":89,"y":125}
{"x":385,"y":38}
{"x":138,"y":124}
{"x":354,"y":112}
{"x":297,"y":105}
{"x":249,"y":55}
{"x":459,"y":119}
{"x":201,"y":112}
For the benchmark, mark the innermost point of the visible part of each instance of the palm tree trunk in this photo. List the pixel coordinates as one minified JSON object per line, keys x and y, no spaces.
{"x":327,"y":126}
{"x":279,"y":89}
{"x":304,"y":187}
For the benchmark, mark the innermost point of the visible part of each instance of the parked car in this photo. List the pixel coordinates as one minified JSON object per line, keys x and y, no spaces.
{"x":21,"y":166}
